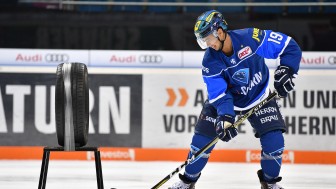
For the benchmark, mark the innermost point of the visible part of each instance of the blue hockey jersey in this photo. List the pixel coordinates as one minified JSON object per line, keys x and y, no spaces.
{"x":241,"y":81}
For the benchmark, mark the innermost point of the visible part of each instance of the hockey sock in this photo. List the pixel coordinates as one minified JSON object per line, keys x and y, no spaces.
{"x":272,"y":144}
{"x":193,"y":170}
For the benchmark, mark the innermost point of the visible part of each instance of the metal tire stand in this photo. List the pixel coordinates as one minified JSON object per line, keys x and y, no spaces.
{"x":69,"y":138}
{"x":45,"y":164}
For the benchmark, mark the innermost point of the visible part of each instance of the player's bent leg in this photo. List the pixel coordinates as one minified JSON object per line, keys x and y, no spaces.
{"x":269,"y":126}
{"x":204,"y":133}
{"x":271,"y":159}
{"x":193,"y":169}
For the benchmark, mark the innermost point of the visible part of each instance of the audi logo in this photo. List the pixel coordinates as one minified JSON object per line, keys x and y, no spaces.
{"x":56,"y":57}
{"x":150,"y":58}
{"x":332,"y":60}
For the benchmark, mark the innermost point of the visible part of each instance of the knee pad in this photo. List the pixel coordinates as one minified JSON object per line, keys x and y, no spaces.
{"x":193,"y":151}
{"x":271,"y":155}
{"x":198,"y":142}
{"x":194,"y":168}
{"x":273,"y":145}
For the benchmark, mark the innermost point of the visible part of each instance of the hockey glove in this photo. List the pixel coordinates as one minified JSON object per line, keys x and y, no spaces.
{"x":283,"y":80}
{"x":224,"y":128}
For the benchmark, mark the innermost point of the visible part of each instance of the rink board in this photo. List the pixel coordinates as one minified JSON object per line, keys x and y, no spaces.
{"x":165,"y":104}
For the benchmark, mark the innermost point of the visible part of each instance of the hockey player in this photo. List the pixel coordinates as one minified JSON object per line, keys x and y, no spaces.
{"x":237,"y":79}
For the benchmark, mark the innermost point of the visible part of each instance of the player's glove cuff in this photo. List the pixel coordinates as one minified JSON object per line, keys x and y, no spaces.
{"x":283,"y":80}
{"x":224,"y":128}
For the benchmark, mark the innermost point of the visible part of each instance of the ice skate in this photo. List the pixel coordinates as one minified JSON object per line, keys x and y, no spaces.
{"x":184,"y":183}
{"x":265,"y":185}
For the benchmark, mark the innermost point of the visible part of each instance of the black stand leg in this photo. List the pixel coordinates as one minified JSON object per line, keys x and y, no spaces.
{"x":44,"y":169}
{"x":99,"y":173}
{"x":45,"y":164}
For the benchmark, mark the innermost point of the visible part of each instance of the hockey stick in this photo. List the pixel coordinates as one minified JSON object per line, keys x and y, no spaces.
{"x":215,"y":140}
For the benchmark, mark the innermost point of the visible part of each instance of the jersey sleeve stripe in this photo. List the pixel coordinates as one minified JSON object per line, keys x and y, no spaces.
{"x":218,"y":97}
{"x":215,"y":75}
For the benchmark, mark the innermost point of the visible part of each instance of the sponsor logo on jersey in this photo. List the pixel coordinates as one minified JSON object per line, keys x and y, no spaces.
{"x":205,"y":69}
{"x":244,"y":52}
{"x":255,"y":34}
{"x":233,"y":61}
{"x":254,"y":82}
{"x":242,"y":75}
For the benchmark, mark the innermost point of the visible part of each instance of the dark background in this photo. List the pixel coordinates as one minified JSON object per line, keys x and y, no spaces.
{"x":46,"y":26}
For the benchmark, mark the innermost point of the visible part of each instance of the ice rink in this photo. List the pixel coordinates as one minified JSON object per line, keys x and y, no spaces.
{"x":136,"y":175}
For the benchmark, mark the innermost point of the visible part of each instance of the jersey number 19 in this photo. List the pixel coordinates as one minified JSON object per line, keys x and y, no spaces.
{"x":275,"y":37}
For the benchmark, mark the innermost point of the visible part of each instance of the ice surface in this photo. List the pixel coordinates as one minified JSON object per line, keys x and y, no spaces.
{"x":137,"y":175}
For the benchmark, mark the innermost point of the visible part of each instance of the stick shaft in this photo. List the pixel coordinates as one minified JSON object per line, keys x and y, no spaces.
{"x":215,"y":140}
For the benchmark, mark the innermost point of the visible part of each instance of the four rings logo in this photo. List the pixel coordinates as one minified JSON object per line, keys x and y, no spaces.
{"x":332,"y":60}
{"x":150,"y":59}
{"x":56,"y":57}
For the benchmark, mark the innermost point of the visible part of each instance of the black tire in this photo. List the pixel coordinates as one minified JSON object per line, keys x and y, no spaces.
{"x":80,"y":104}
